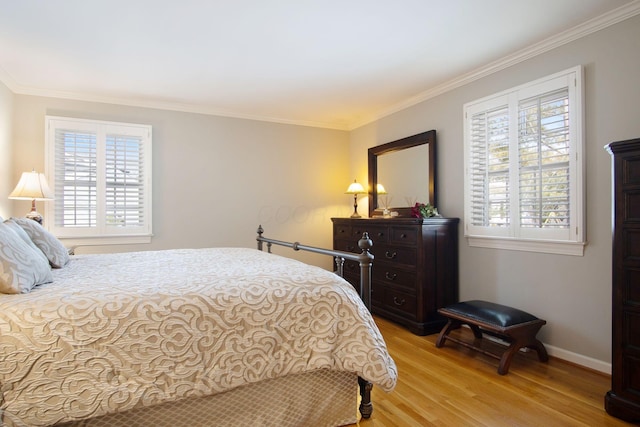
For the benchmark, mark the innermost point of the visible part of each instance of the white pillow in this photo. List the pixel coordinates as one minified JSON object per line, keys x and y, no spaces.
{"x":21,"y":267}
{"x":53,"y":248}
{"x":25,"y":237}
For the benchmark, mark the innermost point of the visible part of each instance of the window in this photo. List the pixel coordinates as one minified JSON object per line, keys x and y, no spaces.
{"x":101,"y":173}
{"x":524,"y":167}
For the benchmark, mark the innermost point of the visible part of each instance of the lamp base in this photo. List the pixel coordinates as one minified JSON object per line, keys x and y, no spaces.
{"x":35,"y":215}
{"x":356,"y":215}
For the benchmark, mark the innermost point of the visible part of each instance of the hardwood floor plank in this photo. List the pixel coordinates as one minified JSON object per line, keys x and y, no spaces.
{"x":456,"y":386}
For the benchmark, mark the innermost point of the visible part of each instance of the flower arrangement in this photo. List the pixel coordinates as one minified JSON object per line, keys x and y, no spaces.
{"x":422,"y":210}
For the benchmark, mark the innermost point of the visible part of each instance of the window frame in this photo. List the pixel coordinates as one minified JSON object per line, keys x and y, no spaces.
{"x":102,"y":233}
{"x":570,"y":241}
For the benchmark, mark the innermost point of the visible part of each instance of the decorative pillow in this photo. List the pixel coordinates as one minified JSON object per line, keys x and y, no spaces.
{"x":21,"y":267}
{"x":24,"y":236}
{"x":53,"y":248}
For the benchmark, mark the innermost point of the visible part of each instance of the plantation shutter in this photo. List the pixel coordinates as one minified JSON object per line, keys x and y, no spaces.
{"x":544,"y":152}
{"x":489,"y":174}
{"x":125,"y":192}
{"x":75,"y":178}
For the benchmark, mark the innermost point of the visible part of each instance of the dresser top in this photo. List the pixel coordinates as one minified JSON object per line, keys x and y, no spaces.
{"x":399,"y":221}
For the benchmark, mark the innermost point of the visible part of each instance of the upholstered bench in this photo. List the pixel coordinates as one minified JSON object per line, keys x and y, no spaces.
{"x":517,"y":327}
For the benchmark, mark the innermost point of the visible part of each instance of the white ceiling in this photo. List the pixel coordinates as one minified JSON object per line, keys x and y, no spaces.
{"x":329,"y":63}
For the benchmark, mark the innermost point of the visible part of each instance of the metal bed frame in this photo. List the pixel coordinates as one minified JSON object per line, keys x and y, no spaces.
{"x":365,"y":260}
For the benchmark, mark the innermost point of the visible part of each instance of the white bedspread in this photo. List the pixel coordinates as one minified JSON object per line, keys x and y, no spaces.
{"x":118,"y":331}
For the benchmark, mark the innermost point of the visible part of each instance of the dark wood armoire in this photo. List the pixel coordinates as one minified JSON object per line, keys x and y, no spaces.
{"x":623,"y":400}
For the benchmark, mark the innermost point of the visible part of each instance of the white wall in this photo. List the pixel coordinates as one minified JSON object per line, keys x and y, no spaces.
{"x":6,"y":129}
{"x":572,"y":293}
{"x":215,"y":179}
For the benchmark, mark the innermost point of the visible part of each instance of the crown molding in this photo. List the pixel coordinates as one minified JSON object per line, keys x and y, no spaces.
{"x":603,"y":21}
{"x":166,"y":106}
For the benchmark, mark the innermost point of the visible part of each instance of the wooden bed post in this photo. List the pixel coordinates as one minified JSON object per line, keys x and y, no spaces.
{"x":260,"y":231}
{"x":366,"y":260}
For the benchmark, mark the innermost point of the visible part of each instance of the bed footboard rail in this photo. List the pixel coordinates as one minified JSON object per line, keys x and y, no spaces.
{"x":365,"y":259}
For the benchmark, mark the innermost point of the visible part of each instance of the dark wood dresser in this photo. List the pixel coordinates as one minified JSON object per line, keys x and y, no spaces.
{"x":623,"y":400}
{"x":415,"y":270}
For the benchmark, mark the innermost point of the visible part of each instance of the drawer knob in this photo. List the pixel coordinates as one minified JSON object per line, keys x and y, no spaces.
{"x":380,"y":234}
{"x":390,"y":276}
{"x":398,"y":301}
{"x":403,"y":236}
{"x":390,"y":255}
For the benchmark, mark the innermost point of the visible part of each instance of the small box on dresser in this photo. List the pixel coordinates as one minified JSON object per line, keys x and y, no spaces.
{"x":415,"y":270}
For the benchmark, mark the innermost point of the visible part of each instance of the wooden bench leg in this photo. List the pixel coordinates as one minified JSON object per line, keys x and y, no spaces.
{"x":505,"y":360}
{"x":450,"y":326}
{"x":542,"y":352}
{"x":477,"y":333}
{"x":526,"y":337}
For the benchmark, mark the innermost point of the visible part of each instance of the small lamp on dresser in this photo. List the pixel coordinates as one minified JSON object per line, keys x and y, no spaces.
{"x":32,"y":186}
{"x":355,"y":188}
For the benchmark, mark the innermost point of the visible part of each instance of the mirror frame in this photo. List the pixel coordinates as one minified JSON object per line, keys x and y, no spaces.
{"x":429,"y":138}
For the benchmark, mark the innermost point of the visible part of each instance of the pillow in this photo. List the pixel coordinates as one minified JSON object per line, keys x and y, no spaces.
{"x":21,"y":267}
{"x":24,"y":236}
{"x":53,"y":248}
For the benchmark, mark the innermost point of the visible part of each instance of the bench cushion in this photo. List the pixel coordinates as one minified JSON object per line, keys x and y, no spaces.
{"x":492,"y":313}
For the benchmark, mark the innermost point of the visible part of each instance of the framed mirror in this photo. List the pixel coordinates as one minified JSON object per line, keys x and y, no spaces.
{"x":407,"y":170}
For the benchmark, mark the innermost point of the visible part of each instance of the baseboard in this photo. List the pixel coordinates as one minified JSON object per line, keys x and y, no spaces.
{"x":579,"y":359}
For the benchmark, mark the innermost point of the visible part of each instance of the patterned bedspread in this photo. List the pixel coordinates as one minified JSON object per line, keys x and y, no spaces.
{"x":118,"y":331}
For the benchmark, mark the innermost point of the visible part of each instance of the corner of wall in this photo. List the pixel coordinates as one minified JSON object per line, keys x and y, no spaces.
{"x":6,"y":149}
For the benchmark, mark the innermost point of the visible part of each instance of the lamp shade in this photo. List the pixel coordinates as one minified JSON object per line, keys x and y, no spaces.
{"x":380,"y":189}
{"x":32,"y":186}
{"x":355,"y":188}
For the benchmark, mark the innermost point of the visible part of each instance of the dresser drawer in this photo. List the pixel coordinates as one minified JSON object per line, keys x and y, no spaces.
{"x":377,"y":294}
{"x":354,"y":279}
{"x":342,"y":231}
{"x":346,"y":246}
{"x":351,"y":267}
{"x":390,"y":274}
{"x":379,"y":234}
{"x":399,"y":301}
{"x":395,"y":254}
{"x":403,"y":235}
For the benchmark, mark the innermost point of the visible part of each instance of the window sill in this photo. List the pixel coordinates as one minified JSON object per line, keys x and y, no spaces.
{"x":74,"y":242}
{"x":541,"y":246}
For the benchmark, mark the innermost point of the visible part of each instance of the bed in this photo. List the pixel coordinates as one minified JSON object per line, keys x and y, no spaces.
{"x":193,"y":337}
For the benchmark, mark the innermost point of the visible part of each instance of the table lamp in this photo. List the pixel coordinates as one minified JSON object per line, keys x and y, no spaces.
{"x":32,"y":186}
{"x":355,"y":188}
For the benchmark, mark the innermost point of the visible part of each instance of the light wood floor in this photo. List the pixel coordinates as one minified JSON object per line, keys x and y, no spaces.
{"x":455,"y":386}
